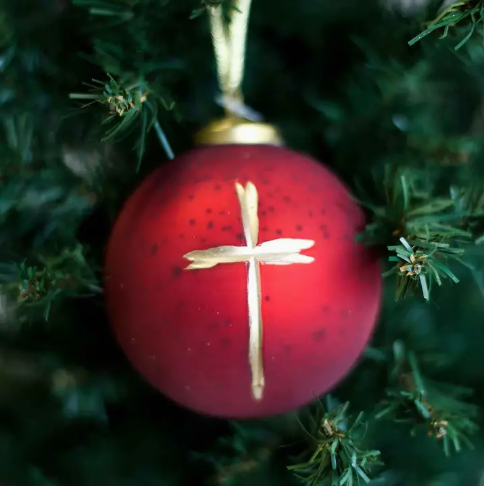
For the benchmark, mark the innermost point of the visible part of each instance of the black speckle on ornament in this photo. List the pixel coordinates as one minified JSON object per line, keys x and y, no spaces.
{"x":345,"y":313}
{"x":278,"y":232}
{"x":270,"y":194}
{"x":299,"y":227}
{"x":226,"y":341}
{"x":319,"y":334}
{"x":263,"y":213}
{"x":227,"y":228}
{"x":267,"y":298}
{"x":218,"y":187}
{"x":324,"y":229}
{"x":286,"y":199}
{"x":177,"y":271}
{"x":181,"y":236}
{"x":239,"y":236}
{"x":191,"y":197}
{"x":154,"y":249}
{"x":222,"y":213}
{"x":214,"y":325}
{"x":227,"y":322}
{"x":264,"y":229}
{"x":271,"y":209}
{"x":192,"y":222}
{"x":210,"y":225}
{"x":208,"y":210}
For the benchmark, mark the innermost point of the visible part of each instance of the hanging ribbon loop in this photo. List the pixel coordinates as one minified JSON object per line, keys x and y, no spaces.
{"x":241,"y":124}
{"x":229,"y":43}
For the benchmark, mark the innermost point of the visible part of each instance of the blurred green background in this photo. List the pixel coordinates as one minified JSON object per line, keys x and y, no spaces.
{"x":402,"y":125}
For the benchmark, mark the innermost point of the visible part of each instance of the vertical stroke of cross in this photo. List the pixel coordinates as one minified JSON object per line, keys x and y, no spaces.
{"x":282,"y":251}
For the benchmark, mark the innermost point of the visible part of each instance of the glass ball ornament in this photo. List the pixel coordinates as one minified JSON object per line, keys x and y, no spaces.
{"x":234,"y":283}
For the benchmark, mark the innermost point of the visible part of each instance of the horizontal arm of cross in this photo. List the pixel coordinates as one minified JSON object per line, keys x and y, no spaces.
{"x":283,"y":251}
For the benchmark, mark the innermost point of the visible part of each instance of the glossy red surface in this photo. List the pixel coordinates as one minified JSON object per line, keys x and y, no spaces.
{"x":187,"y":331}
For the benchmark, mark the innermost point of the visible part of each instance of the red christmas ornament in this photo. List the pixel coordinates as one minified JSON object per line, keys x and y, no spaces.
{"x":234,"y":283}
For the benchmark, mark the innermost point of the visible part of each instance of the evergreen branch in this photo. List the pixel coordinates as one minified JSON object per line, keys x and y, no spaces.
{"x":335,"y":456}
{"x":409,"y":208}
{"x":40,"y":199}
{"x":115,"y":9}
{"x":418,"y":264}
{"x":431,"y":230}
{"x":37,"y":288}
{"x":471,"y":201}
{"x":471,"y":11}
{"x":126,"y":113}
{"x":132,"y":94}
{"x":249,"y":450}
{"x":438,"y":408}
{"x":19,"y":135}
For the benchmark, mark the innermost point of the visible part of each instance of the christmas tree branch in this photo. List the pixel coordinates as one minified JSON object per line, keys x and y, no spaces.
{"x":470,"y":200}
{"x":128,"y":108}
{"x":113,"y":9}
{"x":336,"y":455}
{"x":435,"y":407}
{"x":36,"y":288}
{"x":133,"y":93}
{"x":431,"y":231}
{"x":463,"y":11}
{"x":237,"y":457}
{"x":418,"y":264}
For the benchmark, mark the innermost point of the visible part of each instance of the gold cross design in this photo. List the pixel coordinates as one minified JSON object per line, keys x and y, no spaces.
{"x":282,"y":251}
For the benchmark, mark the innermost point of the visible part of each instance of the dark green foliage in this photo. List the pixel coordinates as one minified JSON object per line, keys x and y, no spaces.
{"x":335,"y":455}
{"x":438,"y":409}
{"x":470,"y":12}
{"x":94,"y":94}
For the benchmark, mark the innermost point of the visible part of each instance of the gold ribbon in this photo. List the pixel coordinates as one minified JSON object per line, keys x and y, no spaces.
{"x":229,"y":43}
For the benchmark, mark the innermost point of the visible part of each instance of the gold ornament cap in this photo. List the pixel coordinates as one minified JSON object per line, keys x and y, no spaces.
{"x":232,"y":130}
